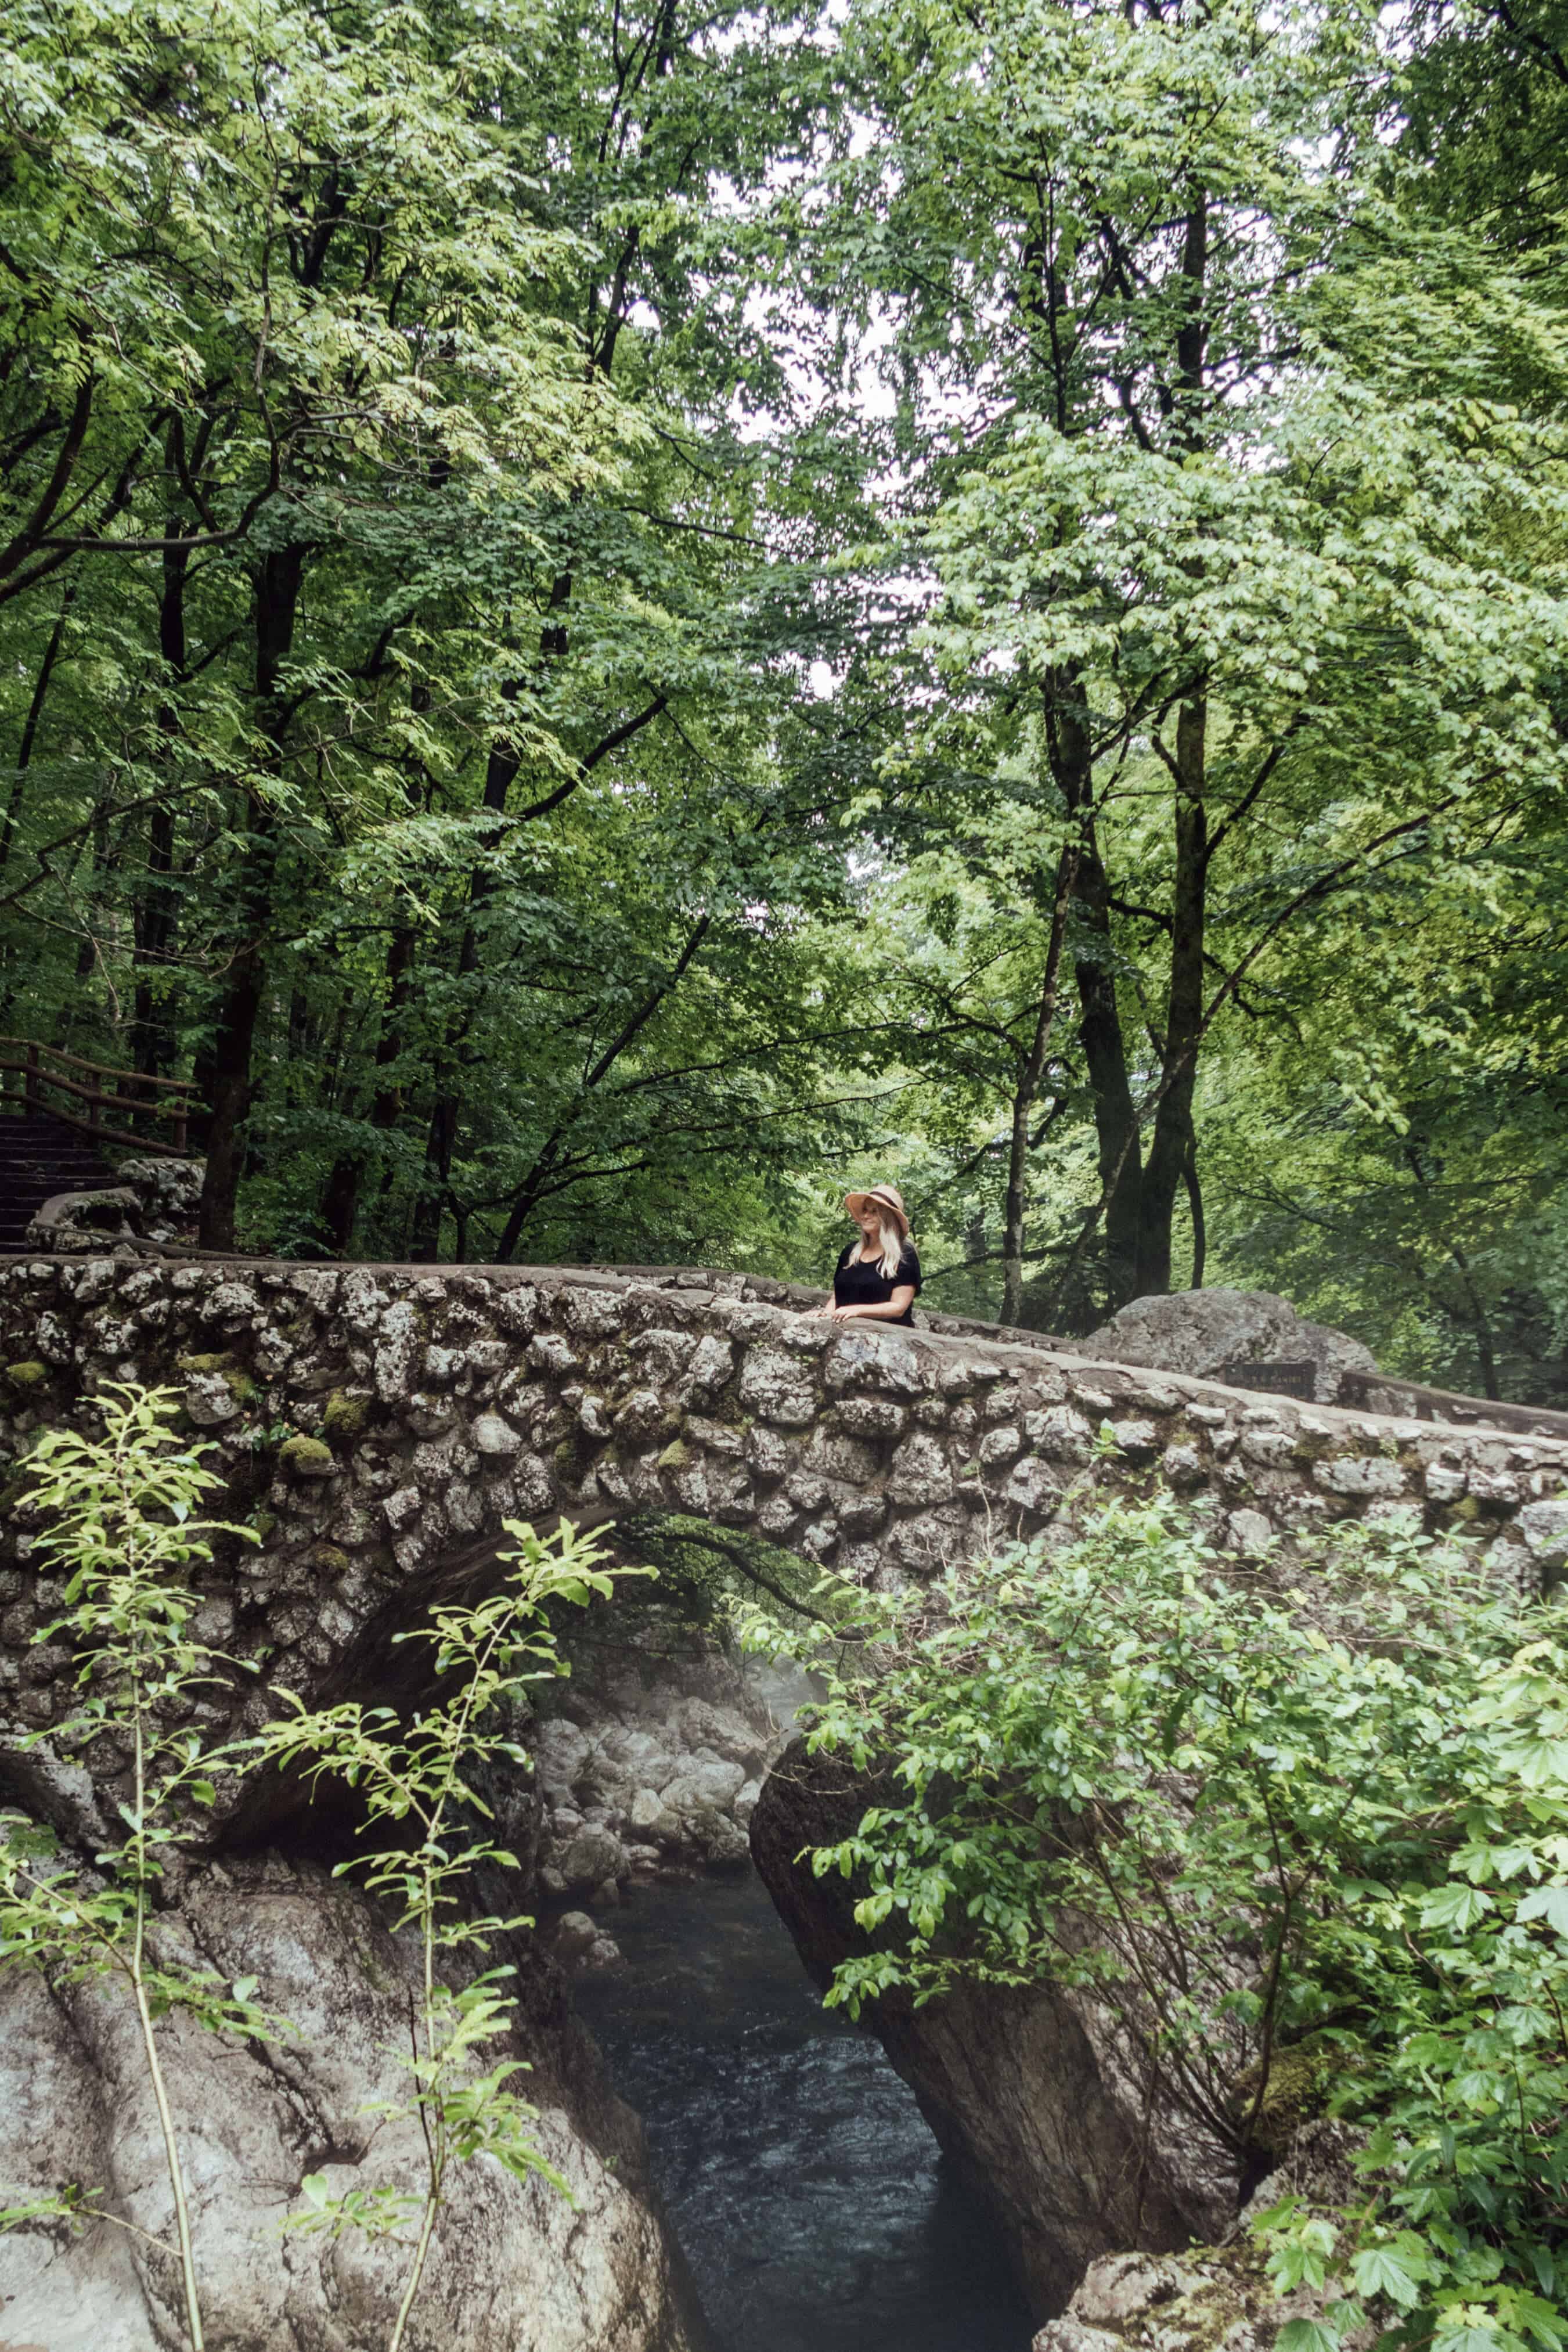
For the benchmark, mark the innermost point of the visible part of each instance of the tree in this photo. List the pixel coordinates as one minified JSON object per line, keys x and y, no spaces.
{"x":1237,"y":542}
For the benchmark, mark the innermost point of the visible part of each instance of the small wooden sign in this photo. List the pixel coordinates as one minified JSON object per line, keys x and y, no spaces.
{"x":1293,"y":1379}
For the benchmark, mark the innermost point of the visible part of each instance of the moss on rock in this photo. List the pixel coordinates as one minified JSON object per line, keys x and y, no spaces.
{"x":221,"y":1362}
{"x":344,"y":1416}
{"x":307,"y":1457}
{"x":1301,"y":2077}
{"x":29,"y":1374}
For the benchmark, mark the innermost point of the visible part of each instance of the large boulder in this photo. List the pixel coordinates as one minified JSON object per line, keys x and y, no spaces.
{"x":1210,"y":2297}
{"x":154,"y":1199}
{"x":514,"y":2262}
{"x":1202,"y":1331}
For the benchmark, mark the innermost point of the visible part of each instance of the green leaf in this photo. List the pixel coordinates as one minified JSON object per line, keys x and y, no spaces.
{"x":1548,"y":1903}
{"x":1379,"y":2271}
{"x":1455,"y":1906}
{"x":1306,"y":2336}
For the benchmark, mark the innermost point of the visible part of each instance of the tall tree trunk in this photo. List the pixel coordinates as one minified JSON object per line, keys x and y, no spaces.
{"x":87,"y":950}
{"x":1027,"y":1092}
{"x":1172,"y":1145}
{"x":278,"y":585}
{"x":500,"y":769}
{"x":340,"y":1200}
{"x":30,"y":726}
{"x":152,"y":1037}
{"x":1195,"y":1208}
{"x":1094,"y":978}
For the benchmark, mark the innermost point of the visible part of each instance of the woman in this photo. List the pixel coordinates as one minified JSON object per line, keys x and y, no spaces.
{"x":878,"y":1275}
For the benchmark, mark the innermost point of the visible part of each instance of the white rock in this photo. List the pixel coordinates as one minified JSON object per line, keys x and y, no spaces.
{"x":1353,"y":1474}
{"x":880,"y":1361}
{"x":706,"y":1783}
{"x":209,"y":1400}
{"x":1001,"y":1445}
{"x":515,"y":2263}
{"x":494,"y":1436}
{"x":396,"y":1347}
{"x":711,"y":1365}
{"x":1544,"y":1526}
{"x":1059,"y":1432}
{"x":773,"y":1385}
{"x":920,"y":1472}
{"x":1249,"y":1532}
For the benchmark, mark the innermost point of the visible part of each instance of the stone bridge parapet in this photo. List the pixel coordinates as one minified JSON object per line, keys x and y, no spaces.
{"x":375,"y":1420}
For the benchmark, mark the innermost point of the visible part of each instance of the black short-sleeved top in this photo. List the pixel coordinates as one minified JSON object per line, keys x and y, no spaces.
{"x":866,"y":1286}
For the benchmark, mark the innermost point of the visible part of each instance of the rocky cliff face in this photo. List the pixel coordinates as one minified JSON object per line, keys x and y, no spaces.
{"x":652,"y":1756}
{"x":1028,"y":2092}
{"x":515,"y":2263}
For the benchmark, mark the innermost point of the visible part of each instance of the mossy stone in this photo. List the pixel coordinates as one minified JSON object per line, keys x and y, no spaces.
{"x":242,"y":1388}
{"x":307,"y":1457}
{"x":264,"y":1522}
{"x":30,"y":1374}
{"x":1301,"y":2077}
{"x":331,"y":1561}
{"x":344,"y":1416}
{"x":676,"y":1455}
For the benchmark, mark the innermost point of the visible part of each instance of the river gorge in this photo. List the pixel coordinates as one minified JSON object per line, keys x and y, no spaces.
{"x":742,"y":2169}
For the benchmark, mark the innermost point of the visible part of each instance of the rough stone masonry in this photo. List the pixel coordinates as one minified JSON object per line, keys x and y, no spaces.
{"x":374,"y":1420}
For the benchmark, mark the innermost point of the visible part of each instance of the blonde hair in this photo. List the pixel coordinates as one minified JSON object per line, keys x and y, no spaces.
{"x":893,"y":1243}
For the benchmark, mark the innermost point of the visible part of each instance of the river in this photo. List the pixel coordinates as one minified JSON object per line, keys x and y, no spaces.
{"x":807,"y":2194}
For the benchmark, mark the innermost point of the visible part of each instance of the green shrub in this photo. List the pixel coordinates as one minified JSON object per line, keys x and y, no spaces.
{"x":1244,"y":1808}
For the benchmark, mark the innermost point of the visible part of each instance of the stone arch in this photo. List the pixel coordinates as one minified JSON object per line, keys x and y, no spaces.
{"x":426,"y":1406}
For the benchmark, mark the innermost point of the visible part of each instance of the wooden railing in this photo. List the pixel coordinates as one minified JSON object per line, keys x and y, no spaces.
{"x":161,"y":1102}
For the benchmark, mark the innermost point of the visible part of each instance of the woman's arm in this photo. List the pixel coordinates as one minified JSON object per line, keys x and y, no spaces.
{"x":886,"y":1310}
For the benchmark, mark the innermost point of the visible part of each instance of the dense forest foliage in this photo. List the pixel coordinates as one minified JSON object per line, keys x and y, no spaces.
{"x":612,"y":618}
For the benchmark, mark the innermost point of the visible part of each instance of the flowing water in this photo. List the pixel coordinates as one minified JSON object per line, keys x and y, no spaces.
{"x":814,"y":2207}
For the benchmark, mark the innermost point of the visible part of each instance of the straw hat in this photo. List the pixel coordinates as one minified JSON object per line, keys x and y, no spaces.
{"x":886,"y":1196}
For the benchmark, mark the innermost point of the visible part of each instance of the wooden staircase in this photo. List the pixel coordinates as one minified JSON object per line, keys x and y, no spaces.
{"x":40,"y":1156}
{"x":56,"y":1135}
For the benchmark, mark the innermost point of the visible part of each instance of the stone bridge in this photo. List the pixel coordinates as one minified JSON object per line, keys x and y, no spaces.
{"x":378,"y":1419}
{"x":377,"y":1424}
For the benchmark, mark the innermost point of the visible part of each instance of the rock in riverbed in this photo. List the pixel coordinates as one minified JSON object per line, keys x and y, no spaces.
{"x":514,"y":2262}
